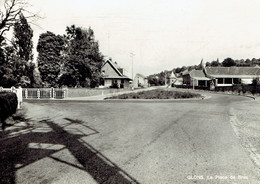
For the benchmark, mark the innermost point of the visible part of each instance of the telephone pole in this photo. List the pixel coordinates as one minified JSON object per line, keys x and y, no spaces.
{"x":132,"y":57}
{"x":165,"y":78}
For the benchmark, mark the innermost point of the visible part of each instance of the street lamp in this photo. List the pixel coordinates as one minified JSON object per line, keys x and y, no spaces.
{"x":165,"y":78}
{"x":132,"y":57}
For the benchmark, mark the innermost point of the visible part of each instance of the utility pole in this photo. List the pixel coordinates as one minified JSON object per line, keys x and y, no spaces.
{"x":165,"y":78}
{"x":132,"y":57}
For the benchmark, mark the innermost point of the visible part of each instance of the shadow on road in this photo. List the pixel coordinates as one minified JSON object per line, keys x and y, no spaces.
{"x":16,"y":152}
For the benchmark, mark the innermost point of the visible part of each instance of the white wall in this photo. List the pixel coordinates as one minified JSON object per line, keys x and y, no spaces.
{"x":107,"y":82}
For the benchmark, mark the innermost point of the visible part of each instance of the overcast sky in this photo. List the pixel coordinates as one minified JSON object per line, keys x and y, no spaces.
{"x":163,"y":34}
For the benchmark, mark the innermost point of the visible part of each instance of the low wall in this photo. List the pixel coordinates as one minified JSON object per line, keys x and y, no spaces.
{"x":83,"y":92}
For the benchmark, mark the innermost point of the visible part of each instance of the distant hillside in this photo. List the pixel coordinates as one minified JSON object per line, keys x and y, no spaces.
{"x":159,"y":78}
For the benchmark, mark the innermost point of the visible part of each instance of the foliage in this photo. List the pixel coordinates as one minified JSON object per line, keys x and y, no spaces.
{"x":50,"y":57}
{"x":256,"y":81}
{"x":9,"y":15}
{"x":22,"y":40}
{"x":83,"y":60}
{"x":215,"y":63}
{"x":228,"y":62}
{"x":8,"y":105}
{"x":153,"y":80}
{"x":158,"y":79}
{"x":158,"y":94}
{"x":16,"y":66}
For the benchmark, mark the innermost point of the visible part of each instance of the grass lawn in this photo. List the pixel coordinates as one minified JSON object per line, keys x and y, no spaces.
{"x":157,"y":94}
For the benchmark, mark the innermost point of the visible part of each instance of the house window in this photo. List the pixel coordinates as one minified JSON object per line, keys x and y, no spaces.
{"x":122,"y":81}
{"x":228,"y":80}
{"x":202,"y":83}
{"x":220,"y":80}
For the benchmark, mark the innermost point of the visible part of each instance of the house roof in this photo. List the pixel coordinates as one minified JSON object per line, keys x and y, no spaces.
{"x":114,"y":66}
{"x":138,"y":74}
{"x":222,"y":72}
{"x":185,"y":72}
{"x":117,"y":77}
{"x":172,"y":76}
{"x":233,"y":71}
{"x":198,"y":75}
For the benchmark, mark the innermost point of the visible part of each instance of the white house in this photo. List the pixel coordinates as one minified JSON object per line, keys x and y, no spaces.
{"x":113,"y":76}
{"x":140,"y":81}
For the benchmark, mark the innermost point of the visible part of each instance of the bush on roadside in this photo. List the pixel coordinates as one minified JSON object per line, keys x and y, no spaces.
{"x":8,"y":105}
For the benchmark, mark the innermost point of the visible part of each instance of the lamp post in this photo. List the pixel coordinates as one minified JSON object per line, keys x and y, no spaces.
{"x":165,"y":78}
{"x":132,"y":57}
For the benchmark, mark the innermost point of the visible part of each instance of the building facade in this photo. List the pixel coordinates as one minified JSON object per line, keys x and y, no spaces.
{"x":140,"y":81}
{"x":221,"y":76}
{"x":113,"y":76}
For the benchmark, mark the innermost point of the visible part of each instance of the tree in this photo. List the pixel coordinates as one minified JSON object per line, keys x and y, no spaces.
{"x":215,"y":63}
{"x":14,"y":66}
{"x":83,"y":60}
{"x":153,"y":80}
{"x":256,"y":81}
{"x":50,"y":49}
{"x":7,"y":77}
{"x":10,"y":14}
{"x":17,"y":67}
{"x":22,"y":41}
{"x":23,"y":45}
{"x":228,"y":62}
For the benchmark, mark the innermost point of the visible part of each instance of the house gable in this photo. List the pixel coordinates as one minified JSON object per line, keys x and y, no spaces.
{"x":109,"y":70}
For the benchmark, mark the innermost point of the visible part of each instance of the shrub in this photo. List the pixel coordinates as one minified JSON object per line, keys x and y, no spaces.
{"x":8,"y":105}
{"x":256,"y":82}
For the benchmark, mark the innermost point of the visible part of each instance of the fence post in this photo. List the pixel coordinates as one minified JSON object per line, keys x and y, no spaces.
{"x":13,"y":89}
{"x":26,"y":93}
{"x":67,"y":92}
{"x":38,"y":94}
{"x":52,"y":93}
{"x":19,"y":93}
{"x":63,"y":93}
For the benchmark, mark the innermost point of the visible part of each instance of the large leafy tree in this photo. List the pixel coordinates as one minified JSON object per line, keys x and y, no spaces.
{"x":23,"y":45}
{"x":83,"y":60}
{"x":50,"y":57}
{"x":17,"y":67}
{"x":228,"y":62}
{"x":22,"y":41}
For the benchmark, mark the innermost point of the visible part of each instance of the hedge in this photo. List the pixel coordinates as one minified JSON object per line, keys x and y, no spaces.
{"x":239,"y":88}
{"x":8,"y":105}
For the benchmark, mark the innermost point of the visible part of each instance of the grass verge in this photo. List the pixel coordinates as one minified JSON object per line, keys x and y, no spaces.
{"x":157,"y":94}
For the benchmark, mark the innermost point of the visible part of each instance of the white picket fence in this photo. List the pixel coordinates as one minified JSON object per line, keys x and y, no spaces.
{"x":18,"y":92}
{"x":44,"y":93}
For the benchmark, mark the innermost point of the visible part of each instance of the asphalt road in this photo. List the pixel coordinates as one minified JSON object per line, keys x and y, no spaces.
{"x":181,"y":141}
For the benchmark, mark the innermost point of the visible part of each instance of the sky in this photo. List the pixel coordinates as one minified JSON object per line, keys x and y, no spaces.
{"x":162,"y":34}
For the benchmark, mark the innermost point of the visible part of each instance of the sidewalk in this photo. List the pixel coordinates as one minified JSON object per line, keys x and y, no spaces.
{"x":102,"y":97}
